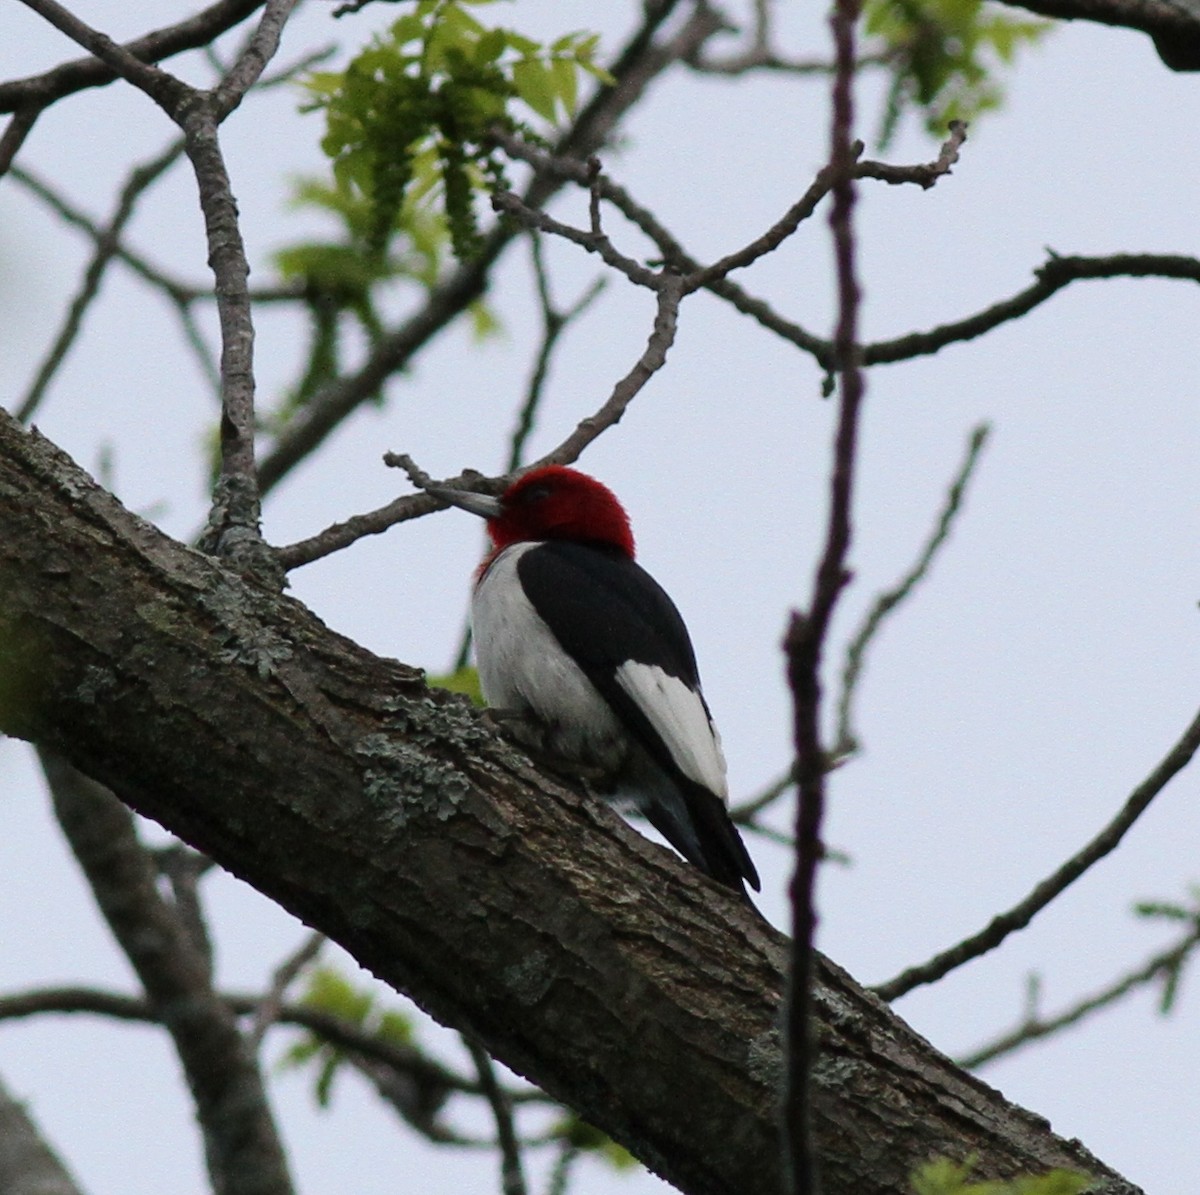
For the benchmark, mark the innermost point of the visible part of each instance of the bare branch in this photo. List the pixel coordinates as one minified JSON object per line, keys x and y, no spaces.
{"x":1056,"y":273}
{"x":924,"y":176}
{"x":412,"y":506}
{"x":403,"y":1059}
{"x":593,"y":240}
{"x":807,"y":632}
{"x":1022,"y":913}
{"x":39,"y":91}
{"x":555,"y":321}
{"x":1165,"y":966}
{"x":252,"y":61}
{"x":169,"y":92}
{"x":241,"y":1144}
{"x":512,"y":1177}
{"x":713,"y":277}
{"x":271,"y":1005}
{"x":670,"y":294}
{"x":234,"y":522}
{"x":759,"y":54}
{"x":107,"y":240}
{"x":15,"y":133}
{"x":847,"y":741}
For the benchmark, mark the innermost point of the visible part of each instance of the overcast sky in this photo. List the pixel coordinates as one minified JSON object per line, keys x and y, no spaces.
{"x":1045,"y":668}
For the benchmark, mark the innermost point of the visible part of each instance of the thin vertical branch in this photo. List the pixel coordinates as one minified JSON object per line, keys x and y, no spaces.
{"x":807,"y":632}
{"x":846,"y":740}
{"x":234,"y":523}
{"x":512,"y":1177}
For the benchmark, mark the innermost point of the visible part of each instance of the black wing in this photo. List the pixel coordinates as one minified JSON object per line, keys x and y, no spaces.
{"x":606,"y":610}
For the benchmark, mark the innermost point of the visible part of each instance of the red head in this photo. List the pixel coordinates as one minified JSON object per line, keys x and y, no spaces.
{"x":551,"y":503}
{"x":559,"y":503}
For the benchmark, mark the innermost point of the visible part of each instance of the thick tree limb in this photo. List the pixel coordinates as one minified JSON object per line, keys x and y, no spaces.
{"x":385,"y":815}
{"x":1174,"y":25}
{"x":28,"y":1166}
{"x":241,"y":1145}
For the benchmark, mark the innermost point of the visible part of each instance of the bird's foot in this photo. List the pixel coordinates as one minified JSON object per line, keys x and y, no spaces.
{"x":534,"y":738}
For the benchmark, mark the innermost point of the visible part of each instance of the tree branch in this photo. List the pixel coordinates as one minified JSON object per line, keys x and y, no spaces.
{"x":387,"y":816}
{"x":1022,"y":913}
{"x":412,"y":506}
{"x":512,"y":1176}
{"x":805,"y":642}
{"x":37,"y":92}
{"x":1165,"y":965}
{"x":28,"y":1166}
{"x":107,"y":242}
{"x":1174,"y":28}
{"x":241,"y":1145}
{"x":846,"y":740}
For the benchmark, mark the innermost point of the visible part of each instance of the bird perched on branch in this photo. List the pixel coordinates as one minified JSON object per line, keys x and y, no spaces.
{"x":587,"y":662}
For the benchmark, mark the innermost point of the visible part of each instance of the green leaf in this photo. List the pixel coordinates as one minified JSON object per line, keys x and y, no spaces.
{"x":944,"y":57}
{"x":535,"y":86}
{"x":564,"y":74}
{"x":485,"y":323}
{"x":464,"y":681}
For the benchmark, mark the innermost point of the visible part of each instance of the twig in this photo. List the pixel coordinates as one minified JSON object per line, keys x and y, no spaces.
{"x":182,"y":294}
{"x":807,"y":632}
{"x":1055,"y":884}
{"x":1164,"y":965}
{"x":328,"y":1026}
{"x":271,"y":1005}
{"x":512,"y":1177}
{"x":568,"y":1155}
{"x":759,"y":55}
{"x":411,"y":506}
{"x":846,"y":743}
{"x":713,"y":277}
{"x":1052,"y":276}
{"x":163,"y":88}
{"x":745,"y":812}
{"x":924,"y":176}
{"x":555,"y":321}
{"x":15,"y":133}
{"x":107,"y":245}
{"x":641,"y":59}
{"x":593,"y":240}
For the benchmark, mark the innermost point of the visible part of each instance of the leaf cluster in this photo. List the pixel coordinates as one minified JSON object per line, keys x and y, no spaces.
{"x":409,"y":120}
{"x":942,"y":56}
{"x":1175,"y":913}
{"x":945,"y":1177}
{"x":329,"y":991}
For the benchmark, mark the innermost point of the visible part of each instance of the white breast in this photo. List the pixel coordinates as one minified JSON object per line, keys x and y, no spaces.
{"x":523,"y":667}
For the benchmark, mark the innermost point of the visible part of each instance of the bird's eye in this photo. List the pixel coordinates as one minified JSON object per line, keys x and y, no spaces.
{"x":534,"y":493}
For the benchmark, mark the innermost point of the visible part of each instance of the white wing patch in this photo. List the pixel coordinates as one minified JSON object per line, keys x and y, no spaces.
{"x":678,"y":716}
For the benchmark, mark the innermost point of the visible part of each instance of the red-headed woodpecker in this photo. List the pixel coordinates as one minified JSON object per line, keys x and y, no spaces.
{"x":587,"y":661}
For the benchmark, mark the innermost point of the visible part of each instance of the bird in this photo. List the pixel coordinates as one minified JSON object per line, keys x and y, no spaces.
{"x":586,"y":662}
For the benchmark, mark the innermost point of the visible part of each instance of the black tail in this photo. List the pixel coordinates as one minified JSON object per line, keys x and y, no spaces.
{"x":697,"y":824}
